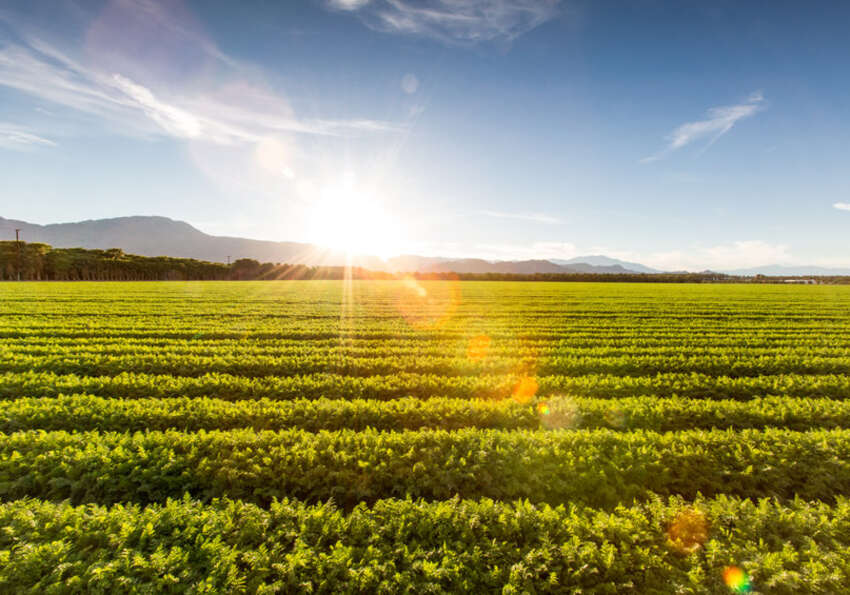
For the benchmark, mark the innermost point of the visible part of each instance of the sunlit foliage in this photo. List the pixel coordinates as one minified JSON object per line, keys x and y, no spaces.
{"x":424,"y":436}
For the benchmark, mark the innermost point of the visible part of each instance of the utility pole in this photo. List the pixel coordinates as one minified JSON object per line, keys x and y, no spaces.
{"x":18,"y":242}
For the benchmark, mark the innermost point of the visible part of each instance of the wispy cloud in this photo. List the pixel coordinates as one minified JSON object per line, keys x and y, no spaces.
{"x":842,"y":206}
{"x":173,"y":120}
{"x":15,"y":137}
{"x":347,"y":4}
{"x":453,"y":21}
{"x":535,"y":217}
{"x":739,"y":254}
{"x":720,"y":257}
{"x":533,"y":251}
{"x":204,"y":112}
{"x":720,"y":120}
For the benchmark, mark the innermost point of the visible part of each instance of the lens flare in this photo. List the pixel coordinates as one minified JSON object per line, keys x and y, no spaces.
{"x":615,"y":417}
{"x":559,"y":413}
{"x":427,"y":305}
{"x":525,"y":390}
{"x":736,"y":579}
{"x":416,"y":287}
{"x":688,"y":531}
{"x":478,"y":348}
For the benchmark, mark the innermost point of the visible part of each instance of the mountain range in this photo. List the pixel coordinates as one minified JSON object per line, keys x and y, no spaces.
{"x":161,"y":236}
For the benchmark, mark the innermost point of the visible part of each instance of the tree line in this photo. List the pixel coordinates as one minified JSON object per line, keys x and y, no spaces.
{"x":41,"y":262}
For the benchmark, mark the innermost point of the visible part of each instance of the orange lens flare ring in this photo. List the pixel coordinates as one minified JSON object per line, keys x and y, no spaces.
{"x":428,"y":306}
{"x":525,"y":390}
{"x":736,"y":579}
{"x":478,"y":348}
{"x":688,"y":531}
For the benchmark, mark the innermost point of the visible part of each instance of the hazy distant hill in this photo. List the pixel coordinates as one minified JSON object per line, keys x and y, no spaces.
{"x":518,"y":267}
{"x":776,"y":270}
{"x":411,"y":262}
{"x":434,"y":264}
{"x":477,"y":265}
{"x":160,"y":236}
{"x":606,"y":261}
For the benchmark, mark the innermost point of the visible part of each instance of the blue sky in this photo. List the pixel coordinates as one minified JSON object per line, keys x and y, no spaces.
{"x":679,"y":134}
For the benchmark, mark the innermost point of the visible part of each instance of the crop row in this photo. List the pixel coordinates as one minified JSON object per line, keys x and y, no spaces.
{"x":254,"y":366}
{"x":490,"y":296}
{"x":233,"y":388}
{"x":230,"y":546}
{"x":87,"y":412}
{"x":494,"y":298}
{"x":552,"y":335}
{"x":433,"y":341}
{"x":595,"y":467}
{"x":553,"y":322}
{"x":443,"y":351}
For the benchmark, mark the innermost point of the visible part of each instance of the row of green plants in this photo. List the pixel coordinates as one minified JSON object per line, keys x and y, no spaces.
{"x":434,"y":345}
{"x":154,"y":362}
{"x":89,"y":412}
{"x":196,"y":325}
{"x":323,"y":299}
{"x":404,"y":546}
{"x":134,"y":385}
{"x":296,"y":317}
{"x":279,"y":318}
{"x":601,"y":468}
{"x":500,"y":352}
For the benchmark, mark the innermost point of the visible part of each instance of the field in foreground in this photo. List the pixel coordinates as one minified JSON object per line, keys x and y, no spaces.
{"x":424,"y":436}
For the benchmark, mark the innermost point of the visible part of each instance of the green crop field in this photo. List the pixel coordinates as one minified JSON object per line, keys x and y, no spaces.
{"x":416,"y":436}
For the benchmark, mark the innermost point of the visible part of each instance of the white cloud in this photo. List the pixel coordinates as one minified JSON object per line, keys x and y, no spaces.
{"x":535,"y":217}
{"x":347,"y":4}
{"x":409,"y":83}
{"x":842,"y":206}
{"x":721,"y":257}
{"x":223,"y":110}
{"x":720,"y":121}
{"x":171,"y":119}
{"x":534,"y":251}
{"x":734,"y":255}
{"x":15,"y":137}
{"x":453,"y":21}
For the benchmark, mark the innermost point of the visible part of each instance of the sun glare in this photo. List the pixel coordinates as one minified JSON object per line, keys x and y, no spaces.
{"x":351,"y":220}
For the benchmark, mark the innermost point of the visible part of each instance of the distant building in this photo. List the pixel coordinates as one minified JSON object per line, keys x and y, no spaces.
{"x":801,"y":281}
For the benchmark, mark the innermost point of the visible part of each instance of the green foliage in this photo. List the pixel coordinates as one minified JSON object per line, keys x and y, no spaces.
{"x":415,"y":547}
{"x":336,"y":386}
{"x":260,"y":403}
{"x":42,"y":262}
{"x":88,"y":412}
{"x":596,"y":467}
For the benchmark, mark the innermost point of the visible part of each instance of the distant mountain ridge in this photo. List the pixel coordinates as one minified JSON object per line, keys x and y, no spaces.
{"x":161,"y":236}
{"x":776,"y":270}
{"x":600,"y":260}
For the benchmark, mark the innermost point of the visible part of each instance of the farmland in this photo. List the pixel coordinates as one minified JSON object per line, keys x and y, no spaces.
{"x":383,"y":436}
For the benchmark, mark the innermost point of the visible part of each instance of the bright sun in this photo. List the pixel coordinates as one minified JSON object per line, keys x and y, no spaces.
{"x":350,"y":220}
